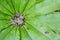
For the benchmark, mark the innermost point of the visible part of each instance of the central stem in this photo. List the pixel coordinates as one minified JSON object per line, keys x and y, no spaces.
{"x":18,"y":19}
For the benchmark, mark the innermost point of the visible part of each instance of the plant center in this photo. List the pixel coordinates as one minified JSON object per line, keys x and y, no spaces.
{"x":18,"y":19}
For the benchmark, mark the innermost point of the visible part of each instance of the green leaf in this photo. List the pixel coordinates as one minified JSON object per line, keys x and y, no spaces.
{"x":13,"y":35}
{"x":47,"y":23}
{"x":23,"y":34}
{"x":41,"y":20}
{"x":16,"y":5}
{"x":4,"y":24}
{"x":5,"y":7}
{"x":5,"y":32}
{"x":23,"y":4}
{"x":34,"y":33}
{"x":43,"y":8}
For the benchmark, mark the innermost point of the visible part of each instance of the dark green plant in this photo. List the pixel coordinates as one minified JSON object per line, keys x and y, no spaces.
{"x":29,"y":20}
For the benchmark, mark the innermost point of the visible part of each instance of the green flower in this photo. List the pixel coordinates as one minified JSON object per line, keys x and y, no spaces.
{"x":29,"y":20}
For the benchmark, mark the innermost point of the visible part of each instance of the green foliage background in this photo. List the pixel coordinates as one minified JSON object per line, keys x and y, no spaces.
{"x":42,"y":23}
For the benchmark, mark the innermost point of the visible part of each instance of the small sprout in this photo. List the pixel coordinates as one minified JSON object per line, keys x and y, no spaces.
{"x":59,"y":32}
{"x":57,"y":10}
{"x":46,"y":32}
